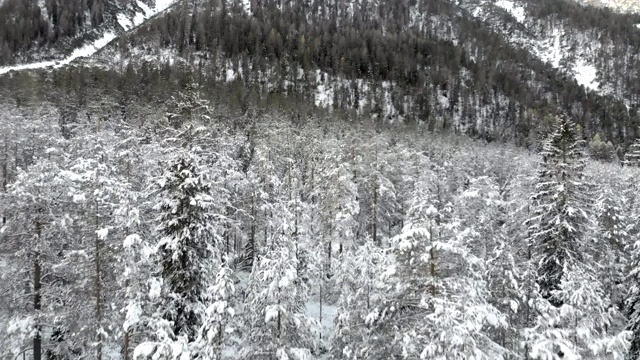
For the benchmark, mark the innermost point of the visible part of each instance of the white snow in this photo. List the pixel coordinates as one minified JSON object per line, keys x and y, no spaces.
{"x":102,"y":233}
{"x":329,"y":313}
{"x":551,"y":50}
{"x":246,"y":4}
{"x":89,"y":49}
{"x":155,"y":288}
{"x":638,"y":26}
{"x":516,"y":11}
{"x":271,"y":313}
{"x":85,"y":51}
{"x":230,"y":75}
{"x":586,"y":75}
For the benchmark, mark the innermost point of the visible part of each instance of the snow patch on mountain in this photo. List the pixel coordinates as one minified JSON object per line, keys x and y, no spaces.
{"x":516,"y":11}
{"x":586,"y":75}
{"x":84,"y":51}
{"x":550,"y":50}
{"x":551,"y":47}
{"x":624,"y":6}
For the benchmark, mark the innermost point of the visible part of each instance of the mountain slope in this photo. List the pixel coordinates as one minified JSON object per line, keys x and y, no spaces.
{"x":494,"y":70}
{"x":38,"y":31}
{"x":617,"y":5}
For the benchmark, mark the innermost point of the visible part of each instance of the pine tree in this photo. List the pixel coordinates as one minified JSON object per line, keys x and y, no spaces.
{"x":361,"y":291}
{"x":436,"y":305}
{"x":632,"y":305}
{"x":218,"y":316}
{"x":562,"y":210}
{"x":275,"y":322}
{"x":186,"y":243}
{"x":574,"y":313}
{"x":35,"y":235}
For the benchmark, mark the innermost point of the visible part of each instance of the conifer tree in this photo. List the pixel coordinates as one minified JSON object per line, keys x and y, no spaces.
{"x":186,"y":243}
{"x":574,"y":313}
{"x":632,"y":305}
{"x":562,"y":209}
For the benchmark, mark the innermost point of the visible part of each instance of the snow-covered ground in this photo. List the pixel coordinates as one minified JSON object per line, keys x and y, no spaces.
{"x":586,"y":75}
{"x":516,"y":11}
{"x":88,"y":50}
{"x":329,"y":313}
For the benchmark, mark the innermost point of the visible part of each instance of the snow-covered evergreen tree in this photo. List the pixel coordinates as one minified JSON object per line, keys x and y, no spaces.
{"x":217,"y":323}
{"x":37,"y":238}
{"x":562,"y":209}
{"x":358,"y":279}
{"x":186,"y":243}
{"x":574,"y":314}
{"x":437,"y":303}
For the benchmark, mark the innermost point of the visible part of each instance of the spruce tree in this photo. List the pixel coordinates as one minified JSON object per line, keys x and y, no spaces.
{"x":185,"y":247}
{"x":574,"y":315}
{"x":561,"y":215}
{"x":633,"y":306}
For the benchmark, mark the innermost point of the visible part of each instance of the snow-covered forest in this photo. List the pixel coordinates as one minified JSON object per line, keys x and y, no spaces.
{"x":196,"y":234}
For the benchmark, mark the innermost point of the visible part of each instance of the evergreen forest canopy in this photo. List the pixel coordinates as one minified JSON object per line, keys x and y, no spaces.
{"x":202,"y":232}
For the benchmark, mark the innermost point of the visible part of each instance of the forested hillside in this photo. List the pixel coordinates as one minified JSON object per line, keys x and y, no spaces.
{"x":38,"y":30}
{"x":495,"y":71}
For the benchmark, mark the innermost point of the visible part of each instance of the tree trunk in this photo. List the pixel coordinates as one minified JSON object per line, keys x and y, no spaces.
{"x":5,"y":167}
{"x":374,"y":223}
{"x":37,"y":297}
{"x":98,"y":289}
{"x":320,"y":320}
{"x":125,"y":347}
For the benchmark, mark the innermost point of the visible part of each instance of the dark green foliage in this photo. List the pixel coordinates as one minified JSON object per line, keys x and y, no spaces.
{"x":560,"y":220}
{"x":185,"y":242}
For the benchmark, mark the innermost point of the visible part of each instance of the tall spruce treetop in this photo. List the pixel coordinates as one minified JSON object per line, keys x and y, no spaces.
{"x":561,"y":215}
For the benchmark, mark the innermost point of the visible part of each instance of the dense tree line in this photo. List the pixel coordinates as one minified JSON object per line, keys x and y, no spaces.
{"x":193,"y":231}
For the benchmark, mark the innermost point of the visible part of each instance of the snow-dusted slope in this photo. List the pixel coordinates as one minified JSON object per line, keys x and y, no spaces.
{"x":632,"y":6}
{"x":127,"y":23}
{"x":551,"y":47}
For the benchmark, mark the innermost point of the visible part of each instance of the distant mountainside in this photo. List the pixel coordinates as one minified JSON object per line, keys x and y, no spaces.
{"x":496,"y":70}
{"x":617,"y":5}
{"x":36,"y":30}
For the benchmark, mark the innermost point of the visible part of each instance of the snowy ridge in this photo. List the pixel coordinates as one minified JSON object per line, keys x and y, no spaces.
{"x":90,"y":49}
